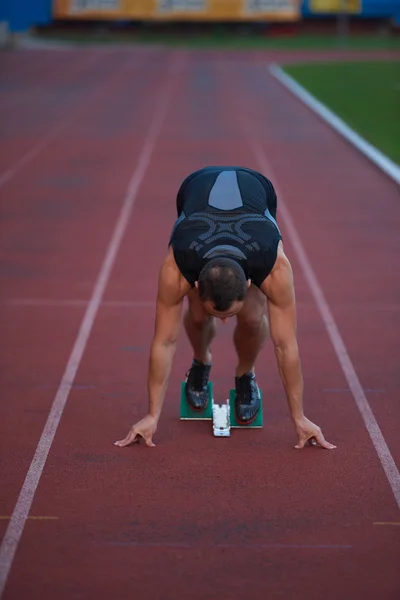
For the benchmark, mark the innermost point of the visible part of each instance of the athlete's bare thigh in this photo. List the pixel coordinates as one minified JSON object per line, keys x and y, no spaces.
{"x":254,"y":307}
{"x":196,"y":309}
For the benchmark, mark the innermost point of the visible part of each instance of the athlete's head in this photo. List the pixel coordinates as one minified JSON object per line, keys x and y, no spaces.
{"x":222,"y":287}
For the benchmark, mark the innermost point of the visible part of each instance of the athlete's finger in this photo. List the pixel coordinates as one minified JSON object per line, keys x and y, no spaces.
{"x":149,"y":442}
{"x":322,"y":442}
{"x":132,"y":437}
{"x":301,"y":442}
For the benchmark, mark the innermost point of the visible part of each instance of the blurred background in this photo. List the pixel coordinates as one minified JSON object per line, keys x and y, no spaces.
{"x":200,"y":20}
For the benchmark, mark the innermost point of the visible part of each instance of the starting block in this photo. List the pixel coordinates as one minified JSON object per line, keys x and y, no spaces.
{"x":221,"y":415}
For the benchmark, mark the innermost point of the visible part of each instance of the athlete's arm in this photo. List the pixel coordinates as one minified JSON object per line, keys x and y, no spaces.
{"x":172,"y":288}
{"x":279,"y":290}
{"x":166,"y":332}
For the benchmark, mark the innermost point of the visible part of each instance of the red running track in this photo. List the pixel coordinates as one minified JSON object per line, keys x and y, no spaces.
{"x":88,"y":134}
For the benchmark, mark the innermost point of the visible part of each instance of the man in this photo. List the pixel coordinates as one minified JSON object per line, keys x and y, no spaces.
{"x":226,"y":256}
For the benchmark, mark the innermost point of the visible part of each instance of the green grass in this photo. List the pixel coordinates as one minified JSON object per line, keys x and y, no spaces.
{"x":244,"y":37}
{"x":366,"y":95}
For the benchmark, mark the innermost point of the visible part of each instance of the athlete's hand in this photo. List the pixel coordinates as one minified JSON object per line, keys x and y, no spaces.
{"x":144,"y":429}
{"x":311,"y":433}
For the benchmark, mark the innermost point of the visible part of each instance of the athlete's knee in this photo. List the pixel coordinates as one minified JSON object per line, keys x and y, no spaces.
{"x":198,"y":318}
{"x":253,"y":315}
{"x":253,"y":321}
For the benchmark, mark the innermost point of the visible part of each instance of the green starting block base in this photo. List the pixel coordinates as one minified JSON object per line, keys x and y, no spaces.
{"x":189,"y":414}
{"x":258,"y":421}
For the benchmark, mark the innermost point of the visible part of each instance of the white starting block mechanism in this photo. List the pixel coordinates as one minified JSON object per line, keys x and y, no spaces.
{"x":221,"y":416}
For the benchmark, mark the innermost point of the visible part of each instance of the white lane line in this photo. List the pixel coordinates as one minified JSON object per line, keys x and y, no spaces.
{"x":377,"y":157}
{"x":387,"y":461}
{"x":21,"y":511}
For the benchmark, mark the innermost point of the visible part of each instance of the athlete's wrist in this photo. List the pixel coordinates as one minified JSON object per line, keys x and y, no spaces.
{"x":155,"y":415}
{"x":298,"y":416}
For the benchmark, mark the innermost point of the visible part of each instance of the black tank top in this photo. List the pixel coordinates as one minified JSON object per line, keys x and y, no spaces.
{"x":228,"y":212}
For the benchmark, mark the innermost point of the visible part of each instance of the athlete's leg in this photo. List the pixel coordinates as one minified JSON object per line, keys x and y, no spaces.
{"x":250,"y":335}
{"x":251,"y":331}
{"x":200,"y":328}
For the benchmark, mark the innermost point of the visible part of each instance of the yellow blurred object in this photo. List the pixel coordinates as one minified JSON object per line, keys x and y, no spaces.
{"x":194,"y":10}
{"x":336,"y":6}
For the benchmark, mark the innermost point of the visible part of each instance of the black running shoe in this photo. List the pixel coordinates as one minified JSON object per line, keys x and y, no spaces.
{"x":196,"y":389}
{"x":248,"y":400}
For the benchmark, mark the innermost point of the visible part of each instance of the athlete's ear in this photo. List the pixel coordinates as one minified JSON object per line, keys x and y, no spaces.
{"x":196,"y":284}
{"x":248,"y":283}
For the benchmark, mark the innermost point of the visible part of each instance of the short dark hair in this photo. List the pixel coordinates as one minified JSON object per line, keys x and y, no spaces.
{"x":222,"y":281}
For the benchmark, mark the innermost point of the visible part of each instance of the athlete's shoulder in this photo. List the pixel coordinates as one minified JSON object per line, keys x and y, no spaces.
{"x":282,"y":264}
{"x":279,"y":283}
{"x":172,"y":286}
